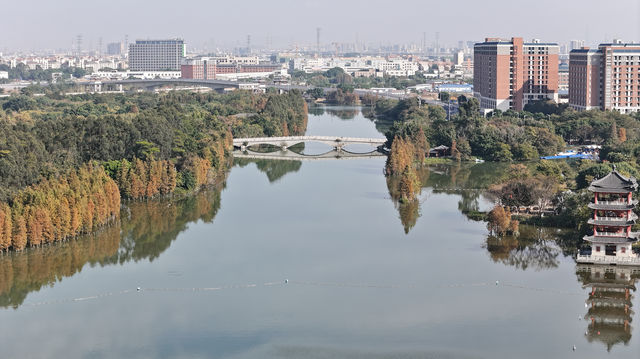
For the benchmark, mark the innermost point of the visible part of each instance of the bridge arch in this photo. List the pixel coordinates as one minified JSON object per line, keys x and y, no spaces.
{"x":284,"y":142}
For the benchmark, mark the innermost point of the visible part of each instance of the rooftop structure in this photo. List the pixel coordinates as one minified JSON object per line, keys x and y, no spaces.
{"x":613,"y":217}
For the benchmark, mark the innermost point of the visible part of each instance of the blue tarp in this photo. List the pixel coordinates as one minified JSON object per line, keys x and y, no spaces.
{"x":582,"y":156}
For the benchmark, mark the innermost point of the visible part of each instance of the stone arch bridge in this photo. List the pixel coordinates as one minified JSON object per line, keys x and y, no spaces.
{"x":284,"y":142}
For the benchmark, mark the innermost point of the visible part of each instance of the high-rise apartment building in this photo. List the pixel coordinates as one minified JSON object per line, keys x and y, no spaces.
{"x":607,"y":78}
{"x":156,"y":55}
{"x":508,"y":74}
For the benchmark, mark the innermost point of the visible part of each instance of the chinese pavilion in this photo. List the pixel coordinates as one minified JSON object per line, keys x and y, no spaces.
{"x":613,"y":217}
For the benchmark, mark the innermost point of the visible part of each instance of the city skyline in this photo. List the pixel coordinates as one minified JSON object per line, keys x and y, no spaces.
{"x":219,"y":26}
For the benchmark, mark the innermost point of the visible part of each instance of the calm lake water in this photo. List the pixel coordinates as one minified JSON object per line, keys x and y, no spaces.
{"x":314,"y":260}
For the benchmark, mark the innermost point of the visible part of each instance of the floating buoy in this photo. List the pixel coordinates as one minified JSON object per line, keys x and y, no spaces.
{"x":585,"y":305}
{"x":579,"y":318}
{"x":497,"y":282}
{"x":138,"y":289}
{"x":286,"y":281}
{"x":574,"y":348}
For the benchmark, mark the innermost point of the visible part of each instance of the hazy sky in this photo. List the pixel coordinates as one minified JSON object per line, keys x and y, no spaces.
{"x":46,"y":24}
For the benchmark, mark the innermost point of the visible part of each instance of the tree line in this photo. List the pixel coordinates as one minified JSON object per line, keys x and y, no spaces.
{"x":63,"y":163}
{"x":144,"y":233}
{"x":59,"y":208}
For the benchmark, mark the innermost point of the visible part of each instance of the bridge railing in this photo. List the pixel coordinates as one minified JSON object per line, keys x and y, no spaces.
{"x":239,"y":141}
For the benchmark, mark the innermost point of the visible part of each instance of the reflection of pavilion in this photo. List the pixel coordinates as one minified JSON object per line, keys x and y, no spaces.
{"x":609,"y":302}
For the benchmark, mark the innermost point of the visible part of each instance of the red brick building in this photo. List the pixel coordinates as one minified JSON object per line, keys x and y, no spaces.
{"x":508,"y":74}
{"x":207,"y":69}
{"x":201,"y":69}
{"x":607,"y":78}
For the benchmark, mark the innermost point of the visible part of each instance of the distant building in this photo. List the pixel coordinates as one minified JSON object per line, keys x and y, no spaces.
{"x":576,"y":44}
{"x":508,"y":74}
{"x":209,"y":68}
{"x":458,"y":58}
{"x":201,"y":69}
{"x":563,"y":78}
{"x":115,"y":48}
{"x":606,"y":78}
{"x":455,"y":88}
{"x":156,"y":55}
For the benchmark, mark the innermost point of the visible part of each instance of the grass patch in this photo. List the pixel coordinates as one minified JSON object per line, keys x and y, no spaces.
{"x":476,"y":216}
{"x":437,"y":161}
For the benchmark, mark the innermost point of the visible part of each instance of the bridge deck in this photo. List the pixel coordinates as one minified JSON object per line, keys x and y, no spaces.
{"x":336,"y":139}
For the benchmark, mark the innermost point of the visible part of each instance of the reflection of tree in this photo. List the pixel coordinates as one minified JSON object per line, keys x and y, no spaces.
{"x":458,"y":177}
{"x":382,"y":125}
{"x":144,"y":233}
{"x":409,"y":210}
{"x":274,"y":169}
{"x":610,"y":300}
{"x":344,"y":113}
{"x":535,"y":247}
{"x":468,"y":180}
{"x":316,"y":110}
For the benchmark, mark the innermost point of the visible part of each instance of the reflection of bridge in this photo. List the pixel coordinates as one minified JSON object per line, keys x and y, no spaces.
{"x":294,"y":156}
{"x":283,"y":142}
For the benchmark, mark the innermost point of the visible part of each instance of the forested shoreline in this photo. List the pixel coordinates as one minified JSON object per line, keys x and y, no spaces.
{"x":66,"y":164}
{"x":513,"y":137}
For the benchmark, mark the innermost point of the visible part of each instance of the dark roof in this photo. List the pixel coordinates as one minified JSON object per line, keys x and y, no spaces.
{"x":613,"y":207}
{"x":614,"y":182}
{"x":599,"y":222}
{"x":583,"y":51}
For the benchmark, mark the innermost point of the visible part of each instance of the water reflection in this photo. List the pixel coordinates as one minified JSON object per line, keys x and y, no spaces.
{"x":145,"y":230}
{"x":408,"y":210}
{"x":609,"y":302}
{"x":342,"y":112}
{"x":535,"y":248}
{"x":274,"y":169}
{"x":468,"y":180}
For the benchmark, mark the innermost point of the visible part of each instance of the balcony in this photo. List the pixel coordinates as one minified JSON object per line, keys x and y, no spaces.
{"x":614,"y":203}
{"x":612,"y":219}
{"x":610,"y":234}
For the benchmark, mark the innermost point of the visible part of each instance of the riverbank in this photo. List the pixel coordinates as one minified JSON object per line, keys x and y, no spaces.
{"x":67,"y":163}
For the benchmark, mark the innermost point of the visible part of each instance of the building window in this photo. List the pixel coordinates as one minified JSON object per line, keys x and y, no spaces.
{"x":597,"y":248}
{"x":623,"y":250}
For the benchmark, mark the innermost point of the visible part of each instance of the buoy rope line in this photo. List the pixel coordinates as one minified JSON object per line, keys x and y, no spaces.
{"x":453,"y":189}
{"x":301,"y":283}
